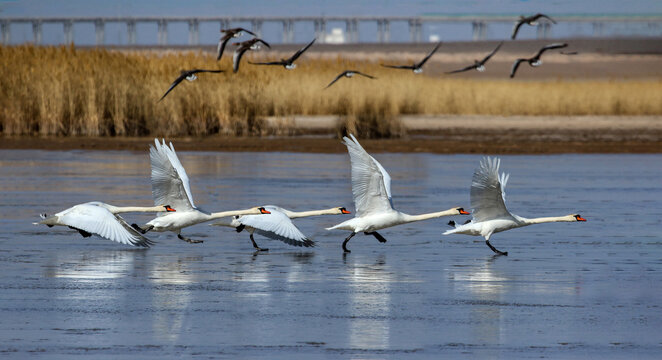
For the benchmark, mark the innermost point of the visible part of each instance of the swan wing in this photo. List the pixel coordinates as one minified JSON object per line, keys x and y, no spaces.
{"x":487,"y":191}
{"x":371,"y":184}
{"x":170,"y":184}
{"x":276,"y":226}
{"x":98,"y":220}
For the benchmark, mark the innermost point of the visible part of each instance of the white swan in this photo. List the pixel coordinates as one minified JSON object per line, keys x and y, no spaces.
{"x":102,"y":219}
{"x":170,"y":184}
{"x":371,"y":188}
{"x":489,"y":209}
{"x":278,"y":225}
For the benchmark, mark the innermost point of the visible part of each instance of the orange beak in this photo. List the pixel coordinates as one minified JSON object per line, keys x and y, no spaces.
{"x":169,"y":209}
{"x":462,"y":212}
{"x":264,"y":211}
{"x":579,"y":218}
{"x":344,"y":211}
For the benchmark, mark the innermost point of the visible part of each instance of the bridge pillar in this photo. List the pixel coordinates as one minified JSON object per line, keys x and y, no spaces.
{"x":99,"y":30}
{"x":6,"y":34}
{"x":542,"y":30}
{"x":162,"y":32}
{"x":256,"y":27}
{"x":415,"y":31}
{"x":320,"y":30}
{"x":479,"y":30}
{"x":288,"y":32}
{"x":352,"y":31}
{"x":131,"y":32}
{"x":68,"y":27}
{"x":598,"y":29}
{"x":193,"y":32}
{"x":36,"y":32}
{"x":386,"y":31}
{"x":225,"y":24}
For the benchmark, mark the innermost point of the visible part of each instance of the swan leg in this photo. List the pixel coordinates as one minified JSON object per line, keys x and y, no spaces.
{"x":83,"y":233}
{"x":377,"y":235}
{"x":188,"y":240}
{"x":499,"y":252}
{"x":142,"y":229}
{"x":344,"y":243}
{"x":255,"y":245}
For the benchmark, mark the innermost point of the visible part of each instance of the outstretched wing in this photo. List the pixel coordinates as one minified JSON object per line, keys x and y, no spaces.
{"x":236,"y":58}
{"x":246,"y":31}
{"x":276,"y":226}
{"x":362,"y":74}
{"x":100,"y":221}
{"x":221,"y":46}
{"x":539,"y":15}
{"x":515,"y":66}
{"x":462,"y":70}
{"x":301,"y":51}
{"x":516,"y":29}
{"x":429,"y":55}
{"x":175,"y":83}
{"x":492,"y":53}
{"x":170,"y":184}
{"x":336,"y":79}
{"x":487,"y":191}
{"x":267,"y":63}
{"x":264,"y":42}
{"x":551,"y":47}
{"x":371,"y":184}
{"x":408,"y":67}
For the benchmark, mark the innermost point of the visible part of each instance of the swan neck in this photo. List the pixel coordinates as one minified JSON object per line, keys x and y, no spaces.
{"x":299,"y":214}
{"x":542,"y":220}
{"x":412,"y":218}
{"x":222,"y":214}
{"x":125,"y":209}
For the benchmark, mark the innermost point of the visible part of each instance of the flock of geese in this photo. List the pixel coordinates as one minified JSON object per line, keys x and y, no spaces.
{"x":371,"y":190}
{"x":417,"y":68}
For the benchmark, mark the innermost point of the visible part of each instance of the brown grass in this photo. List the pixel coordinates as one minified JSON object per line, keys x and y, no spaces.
{"x":67,"y":91}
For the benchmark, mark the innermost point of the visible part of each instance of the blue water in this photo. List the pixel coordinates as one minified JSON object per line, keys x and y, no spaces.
{"x":566,"y":290}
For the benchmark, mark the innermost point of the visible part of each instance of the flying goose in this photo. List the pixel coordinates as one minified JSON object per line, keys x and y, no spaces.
{"x":278,"y":225}
{"x":104,"y":220}
{"x":488,"y":205}
{"x":170,"y":184}
{"x":349,"y":74}
{"x":251,"y":44}
{"x":417,"y":68}
{"x":535,"y":61}
{"x":478,"y":65}
{"x":227,"y":35}
{"x":287,"y":63}
{"x":188,"y":75}
{"x":529,"y":20}
{"x":371,"y":190}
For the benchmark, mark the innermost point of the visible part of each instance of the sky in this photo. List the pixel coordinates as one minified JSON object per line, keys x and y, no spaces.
{"x":178,"y":33}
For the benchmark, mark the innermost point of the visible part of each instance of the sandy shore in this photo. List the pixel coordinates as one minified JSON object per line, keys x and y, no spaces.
{"x":433,"y":134}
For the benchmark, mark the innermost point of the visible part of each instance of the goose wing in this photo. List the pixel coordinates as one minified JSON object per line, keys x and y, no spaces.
{"x":268,"y":63}
{"x":408,"y":67}
{"x":336,"y":79}
{"x":362,"y":74}
{"x":181,"y":77}
{"x":551,"y":47}
{"x":539,"y":15}
{"x":276,"y":226}
{"x":170,"y":184}
{"x":236,"y":58}
{"x":425,"y":59}
{"x":516,"y":29}
{"x":492,"y":53}
{"x":100,"y":221}
{"x":487,"y":194}
{"x":462,"y":70}
{"x":221,"y":46}
{"x":371,"y":184}
{"x":515,"y":66}
{"x":301,"y":51}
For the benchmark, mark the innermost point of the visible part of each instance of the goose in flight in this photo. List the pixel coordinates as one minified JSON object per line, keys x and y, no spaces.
{"x":371,"y":189}
{"x":251,"y":44}
{"x":227,"y":35}
{"x":535,"y":60}
{"x":349,"y":74}
{"x":104,"y":220}
{"x":171,"y":184}
{"x":417,"y":68}
{"x":278,"y":225}
{"x":529,"y":20}
{"x":188,"y":75}
{"x":287,"y":63}
{"x":489,"y":209}
{"x":478,"y":65}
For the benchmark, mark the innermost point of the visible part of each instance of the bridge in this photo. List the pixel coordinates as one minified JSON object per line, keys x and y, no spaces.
{"x":478,"y":23}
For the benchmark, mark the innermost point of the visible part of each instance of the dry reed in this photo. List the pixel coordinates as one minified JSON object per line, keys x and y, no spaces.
{"x":67,"y":91}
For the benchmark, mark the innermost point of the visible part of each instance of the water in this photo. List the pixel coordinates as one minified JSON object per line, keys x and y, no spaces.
{"x":567,"y":290}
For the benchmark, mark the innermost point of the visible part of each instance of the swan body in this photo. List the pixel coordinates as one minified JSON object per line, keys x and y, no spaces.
{"x":489,"y":211}
{"x":278,"y":225}
{"x":371,"y":190}
{"x":171,"y":183}
{"x":102,"y":219}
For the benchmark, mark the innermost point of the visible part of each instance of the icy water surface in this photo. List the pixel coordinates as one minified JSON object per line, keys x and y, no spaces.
{"x":567,"y":290}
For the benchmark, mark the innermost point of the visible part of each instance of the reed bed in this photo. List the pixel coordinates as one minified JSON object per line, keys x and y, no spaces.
{"x":66,"y":91}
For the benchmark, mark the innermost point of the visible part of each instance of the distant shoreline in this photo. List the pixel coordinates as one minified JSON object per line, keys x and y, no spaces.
{"x":429,"y":134}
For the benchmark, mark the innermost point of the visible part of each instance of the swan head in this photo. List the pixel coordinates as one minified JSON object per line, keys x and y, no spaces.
{"x":262,"y":210}
{"x":418,"y":70}
{"x":168,"y":208}
{"x":342,"y":210}
{"x":290,"y":66}
{"x":578,"y":217}
{"x":461,"y":211}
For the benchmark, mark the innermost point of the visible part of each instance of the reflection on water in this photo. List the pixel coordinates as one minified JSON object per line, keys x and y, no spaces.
{"x":93,"y":266}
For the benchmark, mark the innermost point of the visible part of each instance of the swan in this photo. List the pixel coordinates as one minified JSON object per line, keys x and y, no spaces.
{"x":371,"y":189}
{"x":170,"y":184}
{"x":102,"y":219}
{"x":489,"y":209}
{"x":278,"y":225}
